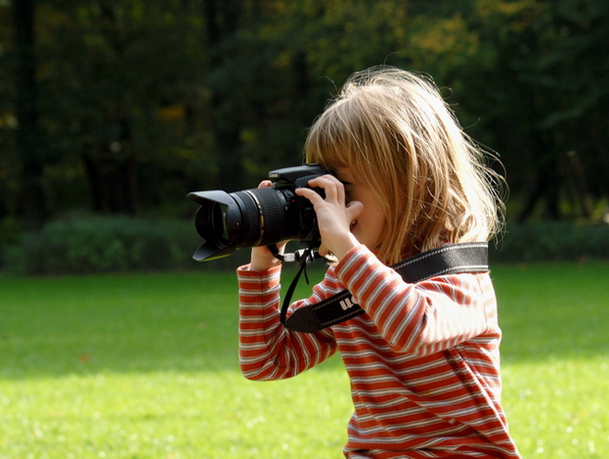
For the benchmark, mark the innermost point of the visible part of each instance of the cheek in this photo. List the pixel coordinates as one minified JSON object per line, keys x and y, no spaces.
{"x":381,"y":221}
{"x":374,"y":223}
{"x":377,"y":216}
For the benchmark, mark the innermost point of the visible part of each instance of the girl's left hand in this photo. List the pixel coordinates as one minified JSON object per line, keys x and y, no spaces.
{"x":334,"y":216}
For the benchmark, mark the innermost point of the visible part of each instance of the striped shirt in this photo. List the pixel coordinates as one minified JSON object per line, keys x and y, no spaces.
{"x":423,"y":360}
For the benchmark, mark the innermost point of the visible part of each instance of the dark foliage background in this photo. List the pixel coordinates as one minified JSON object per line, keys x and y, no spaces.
{"x":112,"y":110}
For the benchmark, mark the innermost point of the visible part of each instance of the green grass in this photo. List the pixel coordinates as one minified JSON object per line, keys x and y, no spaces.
{"x":556,"y":373}
{"x":145,"y":366}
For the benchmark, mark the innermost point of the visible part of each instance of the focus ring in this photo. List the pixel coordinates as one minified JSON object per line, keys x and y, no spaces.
{"x":272,"y":206}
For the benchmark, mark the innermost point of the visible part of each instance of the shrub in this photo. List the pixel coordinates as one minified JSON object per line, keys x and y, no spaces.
{"x":552,"y":241}
{"x":83,"y":244}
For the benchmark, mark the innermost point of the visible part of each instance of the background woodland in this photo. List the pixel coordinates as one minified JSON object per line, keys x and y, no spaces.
{"x":121,"y":107}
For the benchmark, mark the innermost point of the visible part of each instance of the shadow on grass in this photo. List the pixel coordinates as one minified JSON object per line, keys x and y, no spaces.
{"x":120,"y":323}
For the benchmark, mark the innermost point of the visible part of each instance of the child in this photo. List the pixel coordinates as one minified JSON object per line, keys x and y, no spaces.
{"x":423,"y":359}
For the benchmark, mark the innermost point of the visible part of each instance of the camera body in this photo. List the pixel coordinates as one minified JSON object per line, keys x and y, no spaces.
{"x":258,"y":216}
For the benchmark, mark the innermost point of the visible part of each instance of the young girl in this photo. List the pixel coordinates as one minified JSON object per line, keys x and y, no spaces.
{"x":423,"y":359}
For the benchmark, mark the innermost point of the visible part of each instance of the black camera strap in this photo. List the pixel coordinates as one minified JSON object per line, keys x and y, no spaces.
{"x":448,"y":259}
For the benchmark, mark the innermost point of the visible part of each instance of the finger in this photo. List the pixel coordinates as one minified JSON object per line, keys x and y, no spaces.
{"x":354,"y":209}
{"x":333,"y":188}
{"x":323,"y":250}
{"x":265,"y":184}
{"x":310,"y":194}
{"x":324,"y":181}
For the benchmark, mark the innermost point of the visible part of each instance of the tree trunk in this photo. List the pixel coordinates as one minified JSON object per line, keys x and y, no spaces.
{"x":28,"y":139}
{"x":222,"y":20}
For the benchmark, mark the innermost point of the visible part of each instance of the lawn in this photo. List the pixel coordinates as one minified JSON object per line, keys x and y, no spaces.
{"x":145,"y":366}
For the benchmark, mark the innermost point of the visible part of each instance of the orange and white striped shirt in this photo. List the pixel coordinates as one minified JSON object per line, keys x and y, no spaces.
{"x":423,"y":360}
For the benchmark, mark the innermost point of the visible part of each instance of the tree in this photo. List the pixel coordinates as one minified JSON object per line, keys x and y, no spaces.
{"x":223,"y":20}
{"x":539,"y":81}
{"x":131,"y":103}
{"x":121,"y":92}
{"x":30,"y":151}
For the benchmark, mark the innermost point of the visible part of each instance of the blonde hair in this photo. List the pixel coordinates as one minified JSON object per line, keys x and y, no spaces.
{"x":394,"y":129}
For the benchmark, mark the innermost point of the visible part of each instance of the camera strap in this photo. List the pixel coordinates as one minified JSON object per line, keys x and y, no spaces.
{"x":448,"y":259}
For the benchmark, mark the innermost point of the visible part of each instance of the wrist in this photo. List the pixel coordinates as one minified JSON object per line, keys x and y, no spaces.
{"x":344,"y":246}
{"x":263,"y":263}
{"x":262,"y":267}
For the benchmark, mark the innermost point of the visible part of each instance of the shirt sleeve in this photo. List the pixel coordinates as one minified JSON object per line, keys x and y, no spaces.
{"x":268,"y":350}
{"x":422,"y":318}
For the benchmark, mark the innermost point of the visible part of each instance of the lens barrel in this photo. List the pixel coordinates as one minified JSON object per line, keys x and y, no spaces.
{"x":249,"y":218}
{"x":273,"y":210}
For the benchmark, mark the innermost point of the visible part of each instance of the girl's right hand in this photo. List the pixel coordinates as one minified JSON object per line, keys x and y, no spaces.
{"x":262,"y":259}
{"x":335,"y":216}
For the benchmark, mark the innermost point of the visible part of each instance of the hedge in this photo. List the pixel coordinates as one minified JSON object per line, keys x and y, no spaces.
{"x":551,"y":241}
{"x":84,"y":244}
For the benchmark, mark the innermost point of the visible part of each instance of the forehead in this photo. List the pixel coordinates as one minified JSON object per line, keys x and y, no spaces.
{"x":330,"y":156}
{"x":330,"y":146}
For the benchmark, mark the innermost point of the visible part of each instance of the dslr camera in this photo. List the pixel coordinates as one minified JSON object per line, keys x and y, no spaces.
{"x":259,"y":216}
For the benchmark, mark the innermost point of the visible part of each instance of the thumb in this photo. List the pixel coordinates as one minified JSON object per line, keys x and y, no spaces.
{"x":354,"y":209}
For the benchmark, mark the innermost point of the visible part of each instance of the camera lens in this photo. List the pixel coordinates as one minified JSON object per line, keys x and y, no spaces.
{"x":274,"y":208}
{"x":249,"y":218}
{"x":256,"y":217}
{"x":210,"y":222}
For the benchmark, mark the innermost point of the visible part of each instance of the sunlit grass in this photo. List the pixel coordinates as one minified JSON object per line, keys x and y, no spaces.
{"x":558,"y":409}
{"x":145,"y":366}
{"x":167,"y":414}
{"x":556,"y":374}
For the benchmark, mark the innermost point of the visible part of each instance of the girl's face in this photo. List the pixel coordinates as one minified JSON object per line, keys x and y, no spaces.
{"x":368,"y":226}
